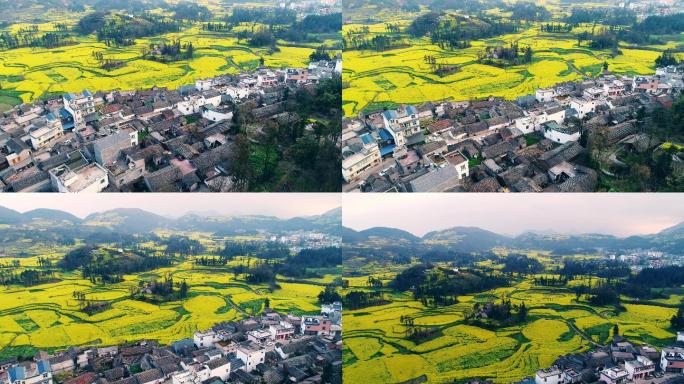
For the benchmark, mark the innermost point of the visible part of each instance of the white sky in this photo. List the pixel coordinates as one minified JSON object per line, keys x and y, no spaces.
{"x":512,"y":214}
{"x":284,"y":205}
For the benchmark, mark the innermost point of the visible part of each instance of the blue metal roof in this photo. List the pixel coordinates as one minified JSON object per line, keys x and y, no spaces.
{"x":389,"y":115}
{"x":68,"y":97}
{"x":387,"y":150}
{"x":51,"y":116}
{"x":44,"y":366}
{"x":384,"y":135}
{"x":367,"y":139}
{"x":17,"y":373}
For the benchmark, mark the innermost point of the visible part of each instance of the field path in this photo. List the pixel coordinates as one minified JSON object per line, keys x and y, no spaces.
{"x":583,"y":335}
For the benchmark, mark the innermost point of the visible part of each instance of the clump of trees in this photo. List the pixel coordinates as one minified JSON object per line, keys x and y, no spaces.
{"x":329,"y":294}
{"x":27,"y":277}
{"x":159,"y":291}
{"x":105,"y":265}
{"x":32,"y":37}
{"x":499,"y":314}
{"x":502,"y":55}
{"x":89,"y":306}
{"x":362,"y":299}
{"x":677,"y":320}
{"x":303,"y":154}
{"x":666,"y":58}
{"x":119,"y":30}
{"x":440,"y":286}
{"x":172,"y":51}
{"x":191,"y":11}
{"x":182,"y":246}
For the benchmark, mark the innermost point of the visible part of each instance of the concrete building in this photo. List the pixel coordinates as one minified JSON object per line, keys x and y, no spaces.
{"x":559,"y":133}
{"x":356,"y":164}
{"x":45,"y":131}
{"x":89,"y":178}
{"x":640,"y":368}
{"x":107,"y":149}
{"x":672,"y":359}
{"x":79,"y":107}
{"x":251,"y":355}
{"x":401,"y":123}
{"x":614,"y":375}
{"x":544,"y":95}
{"x":35,"y":373}
{"x":551,"y":375}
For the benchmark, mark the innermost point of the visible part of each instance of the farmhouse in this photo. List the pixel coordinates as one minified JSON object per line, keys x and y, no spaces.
{"x":672,"y":359}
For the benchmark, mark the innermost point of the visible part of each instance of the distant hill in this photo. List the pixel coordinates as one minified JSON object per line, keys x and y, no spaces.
{"x":468,"y":238}
{"x":126,"y":220}
{"x":390,"y":234}
{"x":387,"y":242}
{"x":134,"y":220}
{"x":10,"y":216}
{"x":51,"y":215}
{"x":673,"y":230}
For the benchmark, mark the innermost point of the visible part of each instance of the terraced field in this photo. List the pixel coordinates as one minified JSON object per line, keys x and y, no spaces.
{"x":27,"y":74}
{"x":377,"y":351}
{"x":401,"y":75}
{"x":47,"y":316}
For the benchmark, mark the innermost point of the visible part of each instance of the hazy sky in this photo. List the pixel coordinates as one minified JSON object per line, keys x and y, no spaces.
{"x":284,"y":205}
{"x":617,"y":214}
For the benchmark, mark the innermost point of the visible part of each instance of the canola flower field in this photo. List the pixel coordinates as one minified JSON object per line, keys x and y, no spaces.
{"x":30,"y":73}
{"x":48,"y":317}
{"x":373,"y":79}
{"x":377,"y":350}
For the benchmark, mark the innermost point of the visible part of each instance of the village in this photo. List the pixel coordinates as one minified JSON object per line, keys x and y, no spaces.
{"x":270,"y":348}
{"x":536,"y":143}
{"x":616,"y":363}
{"x":156,"y":140}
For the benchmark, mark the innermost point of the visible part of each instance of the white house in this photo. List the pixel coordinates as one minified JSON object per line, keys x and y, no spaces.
{"x":354,"y":165}
{"x":36,"y":373}
{"x":88,"y":179}
{"x":583,"y":106}
{"x":551,"y":375}
{"x":556,"y":114}
{"x":204,"y":84}
{"x":614,"y":375}
{"x":281,"y":331}
{"x":219,"y":368}
{"x":258,"y":336}
{"x":45,"y":132}
{"x":680,"y":336}
{"x":193,"y":103}
{"x":79,"y":106}
{"x":208,"y":338}
{"x":460,"y":162}
{"x":401,"y":124}
{"x":251,"y":355}
{"x":672,"y":359}
{"x":640,"y":368}
{"x":211,"y":113}
{"x":237,"y":93}
{"x":544,"y":95}
{"x":560,"y":133}
{"x":186,"y":377}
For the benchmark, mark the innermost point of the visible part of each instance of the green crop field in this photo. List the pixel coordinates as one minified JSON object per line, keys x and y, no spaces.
{"x":402,"y":75}
{"x":378,"y":351}
{"x":47,"y":316}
